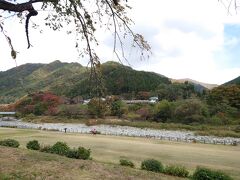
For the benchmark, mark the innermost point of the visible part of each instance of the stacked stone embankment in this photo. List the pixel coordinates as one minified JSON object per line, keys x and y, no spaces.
{"x":186,"y":136}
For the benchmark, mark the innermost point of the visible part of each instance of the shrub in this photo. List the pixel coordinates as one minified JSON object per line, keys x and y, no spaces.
{"x":60,"y":148}
{"x":132,"y":116}
{"x":176,"y":170}
{"x":215,"y":120}
{"x":10,"y":143}
{"x":73,"y":110}
{"x":208,"y":174}
{"x":118,"y":108}
{"x":125,"y":162}
{"x":237,"y":129}
{"x":145,"y":113}
{"x":152,"y":165}
{"x":97,"y":107}
{"x":80,"y":153}
{"x":46,"y":149}
{"x":135,"y":107}
{"x":163,"y":111}
{"x":34,"y":145}
{"x":191,"y":111}
{"x":29,"y":117}
{"x":40,"y":108}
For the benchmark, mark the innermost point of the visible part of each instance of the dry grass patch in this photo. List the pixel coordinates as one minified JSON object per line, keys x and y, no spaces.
{"x":26,"y":164}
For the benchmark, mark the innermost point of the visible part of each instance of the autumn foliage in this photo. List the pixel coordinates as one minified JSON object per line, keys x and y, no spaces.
{"x":40,"y":103}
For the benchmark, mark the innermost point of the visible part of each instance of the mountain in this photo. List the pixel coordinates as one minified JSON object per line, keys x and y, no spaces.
{"x":119,"y":79}
{"x":198,"y":85}
{"x":234,"y":81}
{"x":72,"y":79}
{"x":123,"y":79}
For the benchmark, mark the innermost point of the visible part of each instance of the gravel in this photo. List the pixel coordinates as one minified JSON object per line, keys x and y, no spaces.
{"x":186,"y":136}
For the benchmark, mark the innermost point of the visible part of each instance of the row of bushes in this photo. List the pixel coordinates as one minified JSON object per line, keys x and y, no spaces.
{"x":153,"y":165}
{"x":59,"y":148}
{"x":200,"y":173}
{"x":157,"y":166}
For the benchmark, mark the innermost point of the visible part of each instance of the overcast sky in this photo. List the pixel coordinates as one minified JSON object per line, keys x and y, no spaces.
{"x":194,"y":39}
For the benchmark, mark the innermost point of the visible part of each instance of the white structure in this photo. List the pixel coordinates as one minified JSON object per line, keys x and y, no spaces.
{"x":7,"y":113}
{"x":153,"y":99}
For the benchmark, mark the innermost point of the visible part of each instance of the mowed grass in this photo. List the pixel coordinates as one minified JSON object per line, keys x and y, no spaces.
{"x":109,"y":149}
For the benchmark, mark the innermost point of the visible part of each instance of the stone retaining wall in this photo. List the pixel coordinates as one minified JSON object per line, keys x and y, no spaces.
{"x":186,"y":136}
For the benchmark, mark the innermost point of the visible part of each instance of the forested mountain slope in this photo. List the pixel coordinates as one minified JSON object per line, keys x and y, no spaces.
{"x":234,"y":81}
{"x":72,"y":79}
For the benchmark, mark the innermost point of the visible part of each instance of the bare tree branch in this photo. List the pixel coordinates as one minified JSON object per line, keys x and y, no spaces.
{"x":8,"y":6}
{"x":86,"y":18}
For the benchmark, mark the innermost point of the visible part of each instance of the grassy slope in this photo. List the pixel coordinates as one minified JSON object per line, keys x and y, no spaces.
{"x":27,"y":164}
{"x":110,"y":149}
{"x":196,"y":83}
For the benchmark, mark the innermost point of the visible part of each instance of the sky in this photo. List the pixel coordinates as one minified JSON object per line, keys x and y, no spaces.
{"x":197,"y":39}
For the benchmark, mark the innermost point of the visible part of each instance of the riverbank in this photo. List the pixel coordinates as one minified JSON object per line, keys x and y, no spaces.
{"x":116,"y":130}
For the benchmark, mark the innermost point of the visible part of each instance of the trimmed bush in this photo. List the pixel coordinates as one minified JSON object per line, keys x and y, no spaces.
{"x":125,"y":162}
{"x":176,"y":170}
{"x":60,"y":148}
{"x":208,"y":174}
{"x":80,"y":153}
{"x":33,"y":145}
{"x":10,"y":143}
{"x":152,"y":165}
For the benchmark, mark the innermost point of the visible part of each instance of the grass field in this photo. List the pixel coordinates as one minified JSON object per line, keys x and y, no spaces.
{"x":109,"y":149}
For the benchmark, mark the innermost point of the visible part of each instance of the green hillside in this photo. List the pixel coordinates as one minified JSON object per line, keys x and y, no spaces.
{"x":72,"y":79}
{"x":234,"y":81}
{"x":122,"y":79}
{"x":14,"y":79}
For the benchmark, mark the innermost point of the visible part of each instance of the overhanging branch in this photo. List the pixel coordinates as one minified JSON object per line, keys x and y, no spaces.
{"x":8,"y":6}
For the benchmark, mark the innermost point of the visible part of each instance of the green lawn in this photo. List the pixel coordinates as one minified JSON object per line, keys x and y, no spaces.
{"x":110,"y":149}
